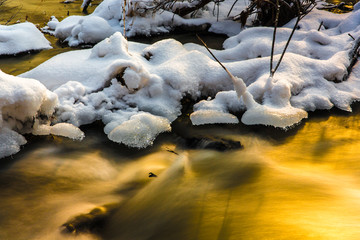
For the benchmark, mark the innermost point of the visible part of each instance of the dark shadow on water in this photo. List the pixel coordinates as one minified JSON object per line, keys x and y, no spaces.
{"x":183,"y":126}
{"x":95,"y":139}
{"x":213,"y":40}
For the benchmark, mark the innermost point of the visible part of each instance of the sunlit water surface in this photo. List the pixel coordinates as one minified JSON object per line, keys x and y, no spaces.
{"x":299,"y":184}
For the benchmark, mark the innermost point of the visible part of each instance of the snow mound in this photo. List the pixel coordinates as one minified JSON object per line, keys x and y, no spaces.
{"x":272,"y":116}
{"x":23,"y":103}
{"x":31,"y":39}
{"x":114,"y":46}
{"x":21,"y":99}
{"x":140,"y":130}
{"x":79,"y":30}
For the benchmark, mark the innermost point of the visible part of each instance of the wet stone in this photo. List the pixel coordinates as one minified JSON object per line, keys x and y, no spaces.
{"x":212,"y":143}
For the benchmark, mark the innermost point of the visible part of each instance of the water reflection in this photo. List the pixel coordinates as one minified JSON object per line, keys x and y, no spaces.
{"x":285,"y":190}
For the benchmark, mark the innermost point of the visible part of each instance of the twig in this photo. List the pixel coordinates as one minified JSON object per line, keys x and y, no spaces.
{"x":292,"y":33}
{"x":124,"y":17}
{"x":272,"y":71}
{"x":2,"y":2}
{"x":353,"y":56}
{"x":351,"y":36}
{"x":321,"y":26}
{"x":207,"y":48}
{"x":289,"y":39}
{"x":232,"y":6}
{"x":306,"y":11}
{"x":239,"y":85}
{"x":13,"y":16}
{"x":85,"y":5}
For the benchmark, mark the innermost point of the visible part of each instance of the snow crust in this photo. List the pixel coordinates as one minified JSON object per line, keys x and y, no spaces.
{"x":20,"y":38}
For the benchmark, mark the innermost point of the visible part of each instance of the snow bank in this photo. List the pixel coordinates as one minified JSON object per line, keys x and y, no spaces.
{"x":23,"y":103}
{"x":136,"y":89}
{"x":20,"y":38}
{"x":309,"y":78}
{"x":139,"y":20}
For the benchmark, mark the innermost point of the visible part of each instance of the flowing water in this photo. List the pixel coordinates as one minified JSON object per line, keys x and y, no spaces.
{"x":299,"y":184}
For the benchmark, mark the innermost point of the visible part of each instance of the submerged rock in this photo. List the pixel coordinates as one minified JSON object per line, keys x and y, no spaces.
{"x":213,"y":143}
{"x":151,"y":174}
{"x":88,"y":222}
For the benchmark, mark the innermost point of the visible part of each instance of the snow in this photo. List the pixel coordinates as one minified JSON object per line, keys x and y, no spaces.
{"x":139,"y":20}
{"x":10,"y":142}
{"x":140,"y":130}
{"x":22,"y":37}
{"x":79,"y":30}
{"x":136,"y":89}
{"x":59,"y":129}
{"x":23,"y":103}
{"x":211,"y":117}
{"x":156,"y":77}
{"x":149,"y":95}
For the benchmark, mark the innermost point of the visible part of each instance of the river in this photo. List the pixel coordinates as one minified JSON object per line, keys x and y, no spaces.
{"x":300,"y":184}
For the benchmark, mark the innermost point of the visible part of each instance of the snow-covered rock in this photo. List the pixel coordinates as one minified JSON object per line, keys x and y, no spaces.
{"x":22,"y":37}
{"x":22,"y":103}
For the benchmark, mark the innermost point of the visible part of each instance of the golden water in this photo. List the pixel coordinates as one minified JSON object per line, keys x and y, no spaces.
{"x":300,"y":184}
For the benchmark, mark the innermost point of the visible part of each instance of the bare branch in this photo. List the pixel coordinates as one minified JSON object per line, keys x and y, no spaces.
{"x":289,"y":39}
{"x":272,"y":71}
